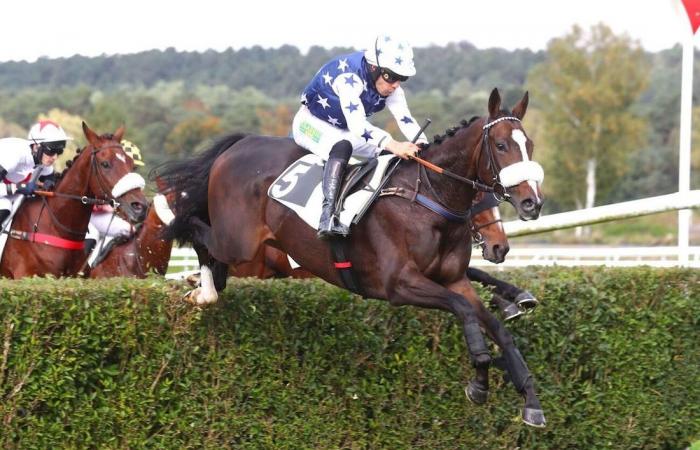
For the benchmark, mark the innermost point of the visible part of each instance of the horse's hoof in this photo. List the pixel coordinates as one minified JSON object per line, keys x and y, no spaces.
{"x":194,"y":279}
{"x":476,"y":394}
{"x":526,"y":300}
{"x":534,"y":417}
{"x":511,"y":312}
{"x":189,"y":297}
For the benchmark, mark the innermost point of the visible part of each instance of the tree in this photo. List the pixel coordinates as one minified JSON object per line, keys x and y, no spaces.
{"x":190,"y":133}
{"x":585,"y":89}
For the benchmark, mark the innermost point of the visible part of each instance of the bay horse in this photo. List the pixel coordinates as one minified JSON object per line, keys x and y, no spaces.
{"x":47,"y":233}
{"x":487,"y":232}
{"x":401,"y":251}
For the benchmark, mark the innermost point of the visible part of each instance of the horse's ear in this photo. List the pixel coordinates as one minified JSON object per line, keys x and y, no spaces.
{"x":494,"y":103}
{"x":119,"y":134}
{"x":521,"y":107}
{"x":91,"y":136}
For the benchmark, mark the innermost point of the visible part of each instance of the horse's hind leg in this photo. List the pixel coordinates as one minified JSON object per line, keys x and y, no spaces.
{"x":507,"y":291}
{"x":513,"y":361}
{"x":213,"y":273}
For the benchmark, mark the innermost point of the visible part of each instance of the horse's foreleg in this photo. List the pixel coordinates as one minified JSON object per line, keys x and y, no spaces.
{"x":520,"y":297}
{"x":513,"y":361}
{"x":414,"y":289}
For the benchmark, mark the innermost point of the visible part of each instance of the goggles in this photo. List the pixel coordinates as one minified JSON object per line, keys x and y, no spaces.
{"x":392,"y":77}
{"x":53,"y":148}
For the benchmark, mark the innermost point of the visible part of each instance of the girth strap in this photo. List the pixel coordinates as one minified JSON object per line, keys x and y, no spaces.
{"x":47,"y":239}
{"x":452,"y":216}
{"x":344,"y":266}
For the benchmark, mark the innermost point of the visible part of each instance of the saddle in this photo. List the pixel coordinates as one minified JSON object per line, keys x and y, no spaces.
{"x":299,"y":187}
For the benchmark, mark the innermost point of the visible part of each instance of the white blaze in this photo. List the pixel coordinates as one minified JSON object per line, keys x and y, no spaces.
{"x":520,"y":139}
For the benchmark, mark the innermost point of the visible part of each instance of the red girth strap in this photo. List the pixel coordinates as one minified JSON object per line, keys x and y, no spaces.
{"x":47,"y":239}
{"x":343,"y":265}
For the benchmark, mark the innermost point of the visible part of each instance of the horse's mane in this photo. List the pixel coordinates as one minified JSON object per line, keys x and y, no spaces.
{"x":438,"y":139}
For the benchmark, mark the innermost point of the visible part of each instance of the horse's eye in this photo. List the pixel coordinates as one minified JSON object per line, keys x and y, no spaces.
{"x":501,"y":147}
{"x":105,"y":164}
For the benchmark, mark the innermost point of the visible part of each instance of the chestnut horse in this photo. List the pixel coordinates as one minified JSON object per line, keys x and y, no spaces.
{"x":47,"y":232}
{"x":401,"y":251}
{"x":145,"y":252}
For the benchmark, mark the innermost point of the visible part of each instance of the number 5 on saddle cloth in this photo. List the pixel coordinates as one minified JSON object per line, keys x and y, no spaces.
{"x":299,"y":187}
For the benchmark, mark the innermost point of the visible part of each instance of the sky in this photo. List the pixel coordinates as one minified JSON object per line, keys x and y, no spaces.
{"x":49,"y":28}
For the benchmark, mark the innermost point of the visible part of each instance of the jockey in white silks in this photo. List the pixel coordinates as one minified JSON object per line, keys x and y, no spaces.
{"x":19,"y":158}
{"x":332,"y":121}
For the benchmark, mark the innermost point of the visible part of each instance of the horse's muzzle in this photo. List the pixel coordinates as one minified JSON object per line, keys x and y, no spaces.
{"x":135,"y":211}
{"x":529,"y":208}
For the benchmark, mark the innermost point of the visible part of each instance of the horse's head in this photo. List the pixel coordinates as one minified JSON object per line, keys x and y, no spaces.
{"x":506,"y":161}
{"x":111,"y":174}
{"x":487,"y":228}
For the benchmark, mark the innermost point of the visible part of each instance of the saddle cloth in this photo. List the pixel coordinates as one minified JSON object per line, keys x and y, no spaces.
{"x":299,"y":188}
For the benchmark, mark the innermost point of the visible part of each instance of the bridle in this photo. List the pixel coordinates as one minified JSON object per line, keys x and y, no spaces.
{"x":488,"y":202}
{"x":106,"y":197}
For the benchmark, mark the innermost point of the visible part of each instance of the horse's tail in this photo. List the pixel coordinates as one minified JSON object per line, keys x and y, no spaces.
{"x":189,"y":180}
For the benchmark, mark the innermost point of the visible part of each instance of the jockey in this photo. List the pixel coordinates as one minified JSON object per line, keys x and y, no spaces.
{"x":104,"y":221}
{"x":332,"y":121}
{"x":19,"y":157}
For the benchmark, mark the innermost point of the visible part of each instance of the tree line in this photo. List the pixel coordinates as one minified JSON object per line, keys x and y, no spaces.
{"x":601,"y":107}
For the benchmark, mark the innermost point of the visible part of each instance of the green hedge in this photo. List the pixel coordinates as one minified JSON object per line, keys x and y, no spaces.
{"x":292,"y":365}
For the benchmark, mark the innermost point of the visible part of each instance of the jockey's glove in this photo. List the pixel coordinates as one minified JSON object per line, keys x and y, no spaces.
{"x":48,"y":182}
{"x":26,"y":189}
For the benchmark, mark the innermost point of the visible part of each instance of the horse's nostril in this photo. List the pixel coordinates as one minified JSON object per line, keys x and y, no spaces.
{"x":528,"y":204}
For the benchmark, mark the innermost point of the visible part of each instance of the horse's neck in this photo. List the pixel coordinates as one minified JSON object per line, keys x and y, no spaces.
{"x":153,"y":250}
{"x":456,"y":154}
{"x":76,"y":180}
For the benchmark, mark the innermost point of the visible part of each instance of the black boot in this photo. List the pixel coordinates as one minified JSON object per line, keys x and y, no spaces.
{"x":89,"y":246}
{"x":329,"y":225}
{"x":4,"y":214}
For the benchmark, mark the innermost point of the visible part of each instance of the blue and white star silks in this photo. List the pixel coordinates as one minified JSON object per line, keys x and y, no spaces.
{"x":342,"y":93}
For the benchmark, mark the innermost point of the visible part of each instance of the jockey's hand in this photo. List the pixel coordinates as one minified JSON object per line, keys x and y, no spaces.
{"x":26,"y":189}
{"x":403,"y":150}
{"x":48,"y":184}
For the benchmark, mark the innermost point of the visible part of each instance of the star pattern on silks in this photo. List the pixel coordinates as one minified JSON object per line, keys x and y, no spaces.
{"x":352,"y":107}
{"x":350,"y":79}
{"x":367,"y":135}
{"x":398,"y":61}
{"x":327,"y":78}
{"x":333,"y":121}
{"x":343,"y":65}
{"x":364,"y":85}
{"x":304,"y":100}
{"x":406,"y":119}
{"x":323,"y":102}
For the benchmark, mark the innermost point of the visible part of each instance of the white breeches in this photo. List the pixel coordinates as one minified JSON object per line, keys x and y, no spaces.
{"x":107,"y":224}
{"x":318,"y":136}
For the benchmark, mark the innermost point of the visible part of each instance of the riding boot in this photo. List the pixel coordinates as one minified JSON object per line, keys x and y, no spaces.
{"x":4,"y":214}
{"x":329,"y":224}
{"x":89,"y":246}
